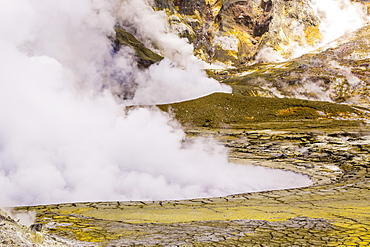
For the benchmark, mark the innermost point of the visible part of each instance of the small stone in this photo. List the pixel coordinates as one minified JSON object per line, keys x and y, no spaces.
{"x":36,"y":227}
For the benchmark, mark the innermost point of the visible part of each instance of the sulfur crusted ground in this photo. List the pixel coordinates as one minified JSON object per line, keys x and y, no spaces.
{"x":328,"y":142}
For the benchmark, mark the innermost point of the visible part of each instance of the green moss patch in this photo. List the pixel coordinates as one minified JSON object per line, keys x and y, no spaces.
{"x":223,"y":110}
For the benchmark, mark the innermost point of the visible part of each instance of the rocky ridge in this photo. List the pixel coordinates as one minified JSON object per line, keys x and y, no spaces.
{"x":238,"y":33}
{"x":233,"y":32}
{"x":337,"y":74}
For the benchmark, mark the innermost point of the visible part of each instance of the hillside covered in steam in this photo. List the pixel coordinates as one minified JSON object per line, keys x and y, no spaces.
{"x":136,"y":100}
{"x":259,"y":47}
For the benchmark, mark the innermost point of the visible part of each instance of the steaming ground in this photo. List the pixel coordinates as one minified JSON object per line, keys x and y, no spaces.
{"x":337,"y":17}
{"x":64,"y":137}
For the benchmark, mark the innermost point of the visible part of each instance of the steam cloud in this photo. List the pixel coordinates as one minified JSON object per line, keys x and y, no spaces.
{"x":64,"y":137}
{"x":338,"y":17}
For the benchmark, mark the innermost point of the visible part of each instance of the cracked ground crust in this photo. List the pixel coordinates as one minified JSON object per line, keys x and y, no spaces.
{"x":332,"y":212}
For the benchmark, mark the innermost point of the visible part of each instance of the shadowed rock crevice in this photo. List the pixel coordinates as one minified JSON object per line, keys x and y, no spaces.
{"x":252,"y":21}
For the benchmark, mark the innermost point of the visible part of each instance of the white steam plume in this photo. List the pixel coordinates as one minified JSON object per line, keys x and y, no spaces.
{"x":185,"y":79}
{"x":64,"y":138}
{"x":338,"y":17}
{"x":152,"y":28}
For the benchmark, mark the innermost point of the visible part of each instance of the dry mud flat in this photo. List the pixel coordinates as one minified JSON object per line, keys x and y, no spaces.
{"x":334,"y":211}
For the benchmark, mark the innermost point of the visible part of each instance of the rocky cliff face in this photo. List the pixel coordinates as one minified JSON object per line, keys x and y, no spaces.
{"x":254,"y":36}
{"x":234,"y":32}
